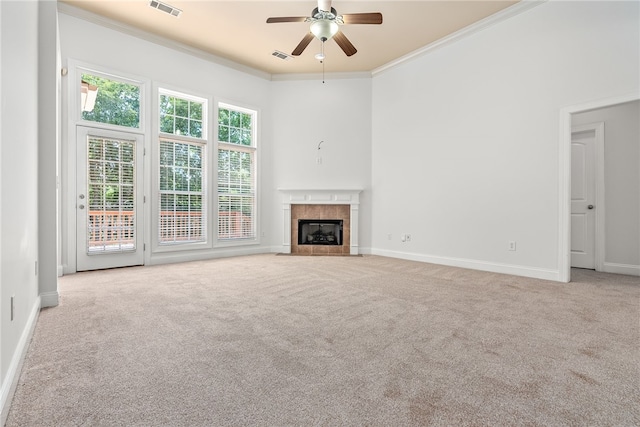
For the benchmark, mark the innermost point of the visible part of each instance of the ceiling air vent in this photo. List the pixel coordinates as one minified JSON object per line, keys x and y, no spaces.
{"x":165,"y":8}
{"x":281,"y":55}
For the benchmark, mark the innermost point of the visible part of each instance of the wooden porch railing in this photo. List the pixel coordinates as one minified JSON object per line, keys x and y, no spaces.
{"x":115,"y":227}
{"x":110,"y":228}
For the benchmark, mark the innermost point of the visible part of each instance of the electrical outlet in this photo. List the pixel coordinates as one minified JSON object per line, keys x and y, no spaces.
{"x":408,"y":237}
{"x":403,"y":237}
{"x":512,"y":246}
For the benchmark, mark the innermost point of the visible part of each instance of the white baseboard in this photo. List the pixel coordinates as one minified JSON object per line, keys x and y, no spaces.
{"x":173,"y":257}
{"x":15,"y":367}
{"x":631,"y":270}
{"x":49,"y":299}
{"x":517,"y":270}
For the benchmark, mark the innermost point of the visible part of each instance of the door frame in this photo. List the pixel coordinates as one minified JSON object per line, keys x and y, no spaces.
{"x":72,"y":118}
{"x":564,"y":174}
{"x":599,"y":211}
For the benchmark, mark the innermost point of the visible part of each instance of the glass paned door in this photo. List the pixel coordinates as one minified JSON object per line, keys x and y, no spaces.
{"x":109,"y":195}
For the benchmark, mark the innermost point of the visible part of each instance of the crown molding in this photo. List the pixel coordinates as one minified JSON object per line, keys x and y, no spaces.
{"x":162,"y":41}
{"x":476,"y":27}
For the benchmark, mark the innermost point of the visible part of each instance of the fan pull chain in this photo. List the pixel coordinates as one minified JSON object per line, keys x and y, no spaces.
{"x":323,"y":58}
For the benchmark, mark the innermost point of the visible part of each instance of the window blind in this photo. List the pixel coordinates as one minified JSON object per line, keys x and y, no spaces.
{"x":182,"y":202}
{"x":236,"y":194}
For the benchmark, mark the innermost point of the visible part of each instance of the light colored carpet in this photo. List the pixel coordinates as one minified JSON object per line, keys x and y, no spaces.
{"x":280,"y":340}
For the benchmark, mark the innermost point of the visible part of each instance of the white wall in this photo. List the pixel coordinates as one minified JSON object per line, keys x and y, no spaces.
{"x":126,"y":54}
{"x":4,"y":395}
{"x":19,"y":180}
{"x":465,"y":139}
{"x":622,"y":181}
{"x":48,"y":151}
{"x":337,"y":112}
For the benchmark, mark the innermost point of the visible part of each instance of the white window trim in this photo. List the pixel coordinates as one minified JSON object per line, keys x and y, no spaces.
{"x":247,"y":240}
{"x":254,"y":148}
{"x":188,"y":97}
{"x":75,"y":72}
{"x":208,"y":166}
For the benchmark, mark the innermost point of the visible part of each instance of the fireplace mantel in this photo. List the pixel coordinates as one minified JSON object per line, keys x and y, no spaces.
{"x":320,"y":197}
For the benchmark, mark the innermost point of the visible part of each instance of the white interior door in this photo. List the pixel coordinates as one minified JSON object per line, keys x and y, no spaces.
{"x":108,"y":199}
{"x":583,"y":192}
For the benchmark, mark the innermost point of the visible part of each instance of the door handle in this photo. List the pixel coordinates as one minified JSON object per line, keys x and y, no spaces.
{"x":590,"y":207}
{"x":80,"y":206}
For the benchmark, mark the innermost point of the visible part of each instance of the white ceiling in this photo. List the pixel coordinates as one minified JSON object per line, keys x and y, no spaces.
{"x":237,"y":30}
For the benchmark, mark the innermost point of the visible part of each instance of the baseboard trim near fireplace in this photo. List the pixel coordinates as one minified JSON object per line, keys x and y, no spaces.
{"x":516,"y":270}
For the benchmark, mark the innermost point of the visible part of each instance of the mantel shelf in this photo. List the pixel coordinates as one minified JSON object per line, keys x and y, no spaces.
{"x":317,"y":196}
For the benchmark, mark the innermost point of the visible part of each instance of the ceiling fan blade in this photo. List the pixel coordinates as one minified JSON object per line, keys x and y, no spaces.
{"x":303,"y":44}
{"x":344,"y":43}
{"x":362,"y":18}
{"x":286,"y":19}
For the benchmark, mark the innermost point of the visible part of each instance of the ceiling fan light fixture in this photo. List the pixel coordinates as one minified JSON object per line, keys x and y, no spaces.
{"x":324,"y":29}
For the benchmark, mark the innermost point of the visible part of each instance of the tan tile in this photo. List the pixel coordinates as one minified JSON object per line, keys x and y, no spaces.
{"x":312,"y":211}
{"x":315,"y":212}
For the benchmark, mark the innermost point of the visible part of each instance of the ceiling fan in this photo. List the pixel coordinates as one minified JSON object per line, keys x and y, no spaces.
{"x":325,"y":23}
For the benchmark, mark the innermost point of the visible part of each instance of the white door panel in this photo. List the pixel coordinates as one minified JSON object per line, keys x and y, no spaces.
{"x":579,"y":233}
{"x":583,"y":186}
{"x":109,"y":199}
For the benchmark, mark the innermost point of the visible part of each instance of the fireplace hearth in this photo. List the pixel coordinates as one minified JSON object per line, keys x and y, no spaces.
{"x":320,"y":231}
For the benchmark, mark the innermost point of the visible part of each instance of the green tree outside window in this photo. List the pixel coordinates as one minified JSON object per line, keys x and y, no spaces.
{"x":117,"y":103}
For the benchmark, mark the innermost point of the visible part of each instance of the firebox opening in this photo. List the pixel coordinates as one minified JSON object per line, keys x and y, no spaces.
{"x":320,"y":232}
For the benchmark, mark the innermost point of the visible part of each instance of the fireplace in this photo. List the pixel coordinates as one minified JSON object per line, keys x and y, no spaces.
{"x":320,"y":231}
{"x":315,"y":207}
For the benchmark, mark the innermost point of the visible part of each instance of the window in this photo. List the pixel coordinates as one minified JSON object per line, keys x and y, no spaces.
{"x":182,"y":201}
{"x":111,"y":209}
{"x":180,"y":116}
{"x":109,"y":101}
{"x":236,"y":173}
{"x":235,"y":126}
{"x":181,"y":195}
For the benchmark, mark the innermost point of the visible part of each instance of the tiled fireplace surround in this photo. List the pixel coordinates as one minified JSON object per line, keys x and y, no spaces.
{"x":320,"y":204}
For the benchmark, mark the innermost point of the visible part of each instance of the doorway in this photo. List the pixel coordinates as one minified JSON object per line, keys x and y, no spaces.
{"x":565,"y":233}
